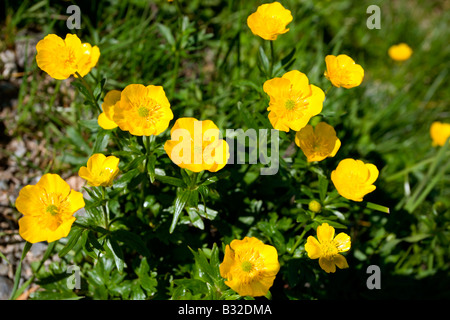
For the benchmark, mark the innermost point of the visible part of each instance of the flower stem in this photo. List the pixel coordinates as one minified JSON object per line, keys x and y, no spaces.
{"x":91,"y":94}
{"x":105,"y":207}
{"x":272,"y":59}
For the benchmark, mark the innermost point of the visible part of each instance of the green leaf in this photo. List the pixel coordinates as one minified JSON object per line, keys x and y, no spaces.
{"x":204,"y":270}
{"x":195,"y":218}
{"x":180,"y":202}
{"x":98,"y":89}
{"x":78,"y":140}
{"x":170,"y":180}
{"x":323,"y":187}
{"x":113,"y":248}
{"x":167,"y":33}
{"x":26,"y":248}
{"x":74,"y":235}
{"x":263,"y":61}
{"x":377,"y":207}
{"x":151,"y":162}
{"x":91,"y":124}
{"x":101,"y":142}
{"x":246,"y":116}
{"x":416,"y":237}
{"x":132,"y":240}
{"x":146,"y":277}
{"x":125,"y":178}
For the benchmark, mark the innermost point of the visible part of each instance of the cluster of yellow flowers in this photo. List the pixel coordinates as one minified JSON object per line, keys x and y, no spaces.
{"x":249,"y":266}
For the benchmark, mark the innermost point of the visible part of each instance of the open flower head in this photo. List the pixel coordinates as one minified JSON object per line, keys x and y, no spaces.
{"x":400,"y":52}
{"x":100,"y":170}
{"x":61,"y":58}
{"x":143,"y":111}
{"x":318,"y":143}
{"x":196,"y":145}
{"x":250,"y":266}
{"x":354,"y":179}
{"x":106,"y":118}
{"x":342,"y":71}
{"x":293,"y":101}
{"x":439,"y":132}
{"x":48,"y":209}
{"x":269,"y":20}
{"x":327,"y":248}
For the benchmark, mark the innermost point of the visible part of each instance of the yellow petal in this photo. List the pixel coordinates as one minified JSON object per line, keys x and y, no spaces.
{"x":315,"y":100}
{"x":343,"y":242}
{"x":75,"y":201}
{"x":29,"y":200}
{"x":30,"y":230}
{"x":312,"y":247}
{"x":95,"y":163}
{"x":277,"y":88}
{"x":111,"y":98}
{"x":340,"y":261}
{"x":53,"y":183}
{"x":337,"y":145}
{"x":327,"y":265}
{"x":157,"y":93}
{"x":299,"y":82}
{"x":84,"y":173}
{"x":325,"y":233}
{"x":373,"y":173}
{"x":62,"y":231}
{"x":105,"y":122}
{"x":228,"y":261}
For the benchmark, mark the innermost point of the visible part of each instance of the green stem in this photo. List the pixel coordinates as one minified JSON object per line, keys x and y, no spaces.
{"x":300,"y":238}
{"x":413,"y":202}
{"x":176,"y":67}
{"x":26,"y":248}
{"x":105,"y":207}
{"x":88,"y":88}
{"x":272,"y":59}
{"x":194,"y":177}
{"x":329,"y":88}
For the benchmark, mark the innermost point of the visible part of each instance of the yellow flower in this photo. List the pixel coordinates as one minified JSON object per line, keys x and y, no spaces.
{"x":439,"y":132}
{"x":354,"y":179}
{"x":342,"y":71}
{"x":250,"y":266}
{"x":328,"y":247}
{"x":400,"y":52}
{"x":319,"y":143}
{"x":293,"y":101}
{"x":143,"y":111}
{"x":195,"y":145}
{"x":106,"y":118}
{"x":62,"y":58}
{"x":48,"y":209}
{"x":100,"y":170}
{"x":269,"y":20}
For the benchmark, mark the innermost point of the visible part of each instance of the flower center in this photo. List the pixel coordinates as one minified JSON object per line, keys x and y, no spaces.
{"x":329,"y":249}
{"x":143,"y":112}
{"x":290,"y":104}
{"x":52,"y":209}
{"x":247,"y":266}
{"x":70,"y":59}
